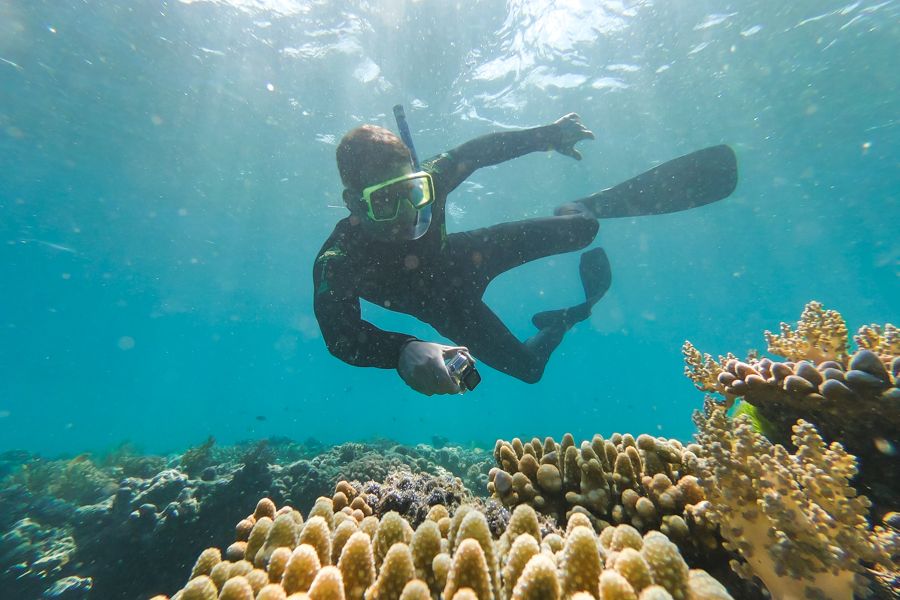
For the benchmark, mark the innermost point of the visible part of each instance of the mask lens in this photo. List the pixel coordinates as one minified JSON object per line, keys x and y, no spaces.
{"x":386,"y":201}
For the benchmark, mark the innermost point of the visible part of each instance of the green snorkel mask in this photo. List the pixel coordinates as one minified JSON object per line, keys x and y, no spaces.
{"x":383,"y":200}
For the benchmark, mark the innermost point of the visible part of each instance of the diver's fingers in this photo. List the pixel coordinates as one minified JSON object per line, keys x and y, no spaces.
{"x":443,"y":383}
{"x":571,"y":152}
{"x":451,"y":351}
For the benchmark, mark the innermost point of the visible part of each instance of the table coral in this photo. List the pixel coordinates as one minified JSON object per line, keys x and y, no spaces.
{"x":622,"y":563}
{"x":792,"y":518}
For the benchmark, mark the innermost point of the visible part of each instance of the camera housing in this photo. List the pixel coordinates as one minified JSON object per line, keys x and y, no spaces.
{"x":463,"y":372}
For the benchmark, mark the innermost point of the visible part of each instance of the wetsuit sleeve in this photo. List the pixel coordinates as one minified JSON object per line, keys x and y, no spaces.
{"x":453,"y":167}
{"x":346,"y":334}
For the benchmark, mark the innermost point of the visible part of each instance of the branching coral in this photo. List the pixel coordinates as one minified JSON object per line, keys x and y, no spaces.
{"x":793,"y":518}
{"x":472,"y":566}
{"x":820,"y":335}
{"x":853,"y":399}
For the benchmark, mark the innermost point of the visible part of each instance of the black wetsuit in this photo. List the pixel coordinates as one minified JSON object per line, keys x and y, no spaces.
{"x":441,"y":278}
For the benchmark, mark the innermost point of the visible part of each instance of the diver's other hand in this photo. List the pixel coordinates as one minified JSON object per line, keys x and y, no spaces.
{"x":571,"y":131}
{"x":422,"y":366}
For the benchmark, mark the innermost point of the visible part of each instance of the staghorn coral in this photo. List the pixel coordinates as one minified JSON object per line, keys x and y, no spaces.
{"x":639,"y":481}
{"x":793,"y":519}
{"x":525,"y":572}
{"x":852,"y":399}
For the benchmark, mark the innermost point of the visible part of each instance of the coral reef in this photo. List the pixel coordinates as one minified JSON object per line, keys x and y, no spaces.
{"x":852,"y":398}
{"x":120,"y":509}
{"x":793,"y":519}
{"x":464,"y":562}
{"x":33,"y":560}
{"x":642,"y":482}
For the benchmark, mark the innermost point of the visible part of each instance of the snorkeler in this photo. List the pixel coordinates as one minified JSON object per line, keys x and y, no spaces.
{"x":394,"y":250}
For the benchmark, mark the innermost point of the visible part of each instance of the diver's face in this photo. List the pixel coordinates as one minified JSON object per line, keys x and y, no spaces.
{"x":399,"y":228}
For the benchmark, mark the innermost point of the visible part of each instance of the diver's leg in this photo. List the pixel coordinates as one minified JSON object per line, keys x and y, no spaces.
{"x":488,"y":252}
{"x":478,"y":328}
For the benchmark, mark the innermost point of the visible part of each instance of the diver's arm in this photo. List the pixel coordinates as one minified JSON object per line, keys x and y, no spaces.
{"x":453,"y":167}
{"x":346,"y":334}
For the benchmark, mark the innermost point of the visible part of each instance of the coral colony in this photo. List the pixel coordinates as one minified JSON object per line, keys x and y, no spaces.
{"x":775,"y":497}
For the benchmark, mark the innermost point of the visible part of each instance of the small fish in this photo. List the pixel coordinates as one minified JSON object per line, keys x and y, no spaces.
{"x":260,"y":417}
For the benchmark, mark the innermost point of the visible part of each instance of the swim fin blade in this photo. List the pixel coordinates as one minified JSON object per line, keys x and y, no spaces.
{"x":689,"y":181}
{"x":596,"y":274}
{"x":596,"y":277}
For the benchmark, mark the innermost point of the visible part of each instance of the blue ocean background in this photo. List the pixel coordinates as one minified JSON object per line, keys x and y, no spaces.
{"x":167,"y":176}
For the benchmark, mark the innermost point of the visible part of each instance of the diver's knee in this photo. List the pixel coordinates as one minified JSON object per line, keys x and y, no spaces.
{"x":583,"y":230}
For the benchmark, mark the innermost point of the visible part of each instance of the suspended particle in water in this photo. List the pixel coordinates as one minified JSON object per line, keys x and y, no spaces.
{"x":126,"y":342}
{"x":182,"y":212}
{"x":51,"y":29}
{"x":884,"y":446}
{"x":270,"y":87}
{"x":156,"y":120}
{"x":866,"y":147}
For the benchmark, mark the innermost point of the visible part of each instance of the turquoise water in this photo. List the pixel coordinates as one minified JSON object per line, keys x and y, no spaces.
{"x":168,"y":176}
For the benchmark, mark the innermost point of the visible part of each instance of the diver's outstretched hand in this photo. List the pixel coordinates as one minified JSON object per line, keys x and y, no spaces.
{"x":571,"y":131}
{"x":423,"y":367}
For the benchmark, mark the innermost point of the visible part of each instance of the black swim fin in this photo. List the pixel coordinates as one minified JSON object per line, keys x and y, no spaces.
{"x":689,"y":181}
{"x":596,"y":274}
{"x":596,"y":277}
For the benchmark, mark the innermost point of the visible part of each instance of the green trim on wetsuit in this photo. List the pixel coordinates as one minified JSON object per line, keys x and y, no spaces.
{"x":406,"y":276}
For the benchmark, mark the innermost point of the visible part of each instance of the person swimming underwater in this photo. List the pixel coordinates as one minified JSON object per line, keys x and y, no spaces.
{"x":394,"y":250}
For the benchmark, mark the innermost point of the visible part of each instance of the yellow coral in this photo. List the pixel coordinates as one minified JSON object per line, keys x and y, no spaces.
{"x":425,"y":545}
{"x":538,"y":580}
{"x":236,"y":588}
{"x":301,"y":569}
{"x":258,"y":537}
{"x":208,"y":559}
{"x":474,"y":526}
{"x":282,"y":534}
{"x":357,"y":565}
{"x":794,"y":519}
{"x":264,"y":508}
{"x":469,"y":569}
{"x":317,"y":534}
{"x":820,"y":335}
{"x":396,"y":571}
{"x":630,"y":564}
{"x":199,"y":588}
{"x":416,"y":589}
{"x":341,"y":534}
{"x":523,"y":549}
{"x":277,"y":564}
{"x":271,"y":592}
{"x":703,"y":369}
{"x":580,"y":566}
{"x":392,"y":529}
{"x":327,"y":585}
{"x":667,"y":567}
{"x":615,"y":587}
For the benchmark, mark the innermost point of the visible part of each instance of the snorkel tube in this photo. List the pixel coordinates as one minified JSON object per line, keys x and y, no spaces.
{"x":423,"y":217}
